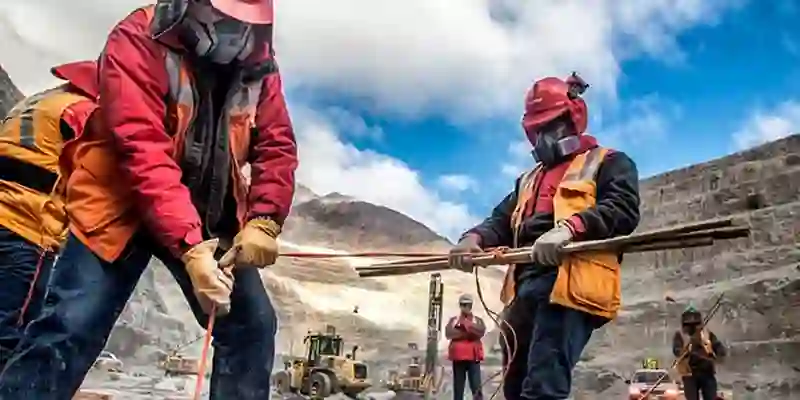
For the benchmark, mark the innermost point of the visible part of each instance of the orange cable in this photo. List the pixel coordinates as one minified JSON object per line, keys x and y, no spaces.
{"x":201,"y":370}
{"x":498,"y":320}
{"x":31,"y":288}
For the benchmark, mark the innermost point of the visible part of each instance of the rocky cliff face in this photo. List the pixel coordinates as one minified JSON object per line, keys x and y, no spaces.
{"x":9,"y":95}
{"x":760,"y":276}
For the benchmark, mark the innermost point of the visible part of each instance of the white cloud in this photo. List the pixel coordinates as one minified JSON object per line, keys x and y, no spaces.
{"x":764,"y":126}
{"x":463,"y":60}
{"x":640,"y":121}
{"x":457,"y":182}
{"x":466,"y":58}
{"x":330,"y":165}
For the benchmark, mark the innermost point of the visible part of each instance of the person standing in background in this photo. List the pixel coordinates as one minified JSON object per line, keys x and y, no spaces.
{"x":466,"y":349}
{"x":697,"y":368}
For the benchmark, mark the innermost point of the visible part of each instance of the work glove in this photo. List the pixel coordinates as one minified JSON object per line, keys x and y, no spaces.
{"x":254,"y":246}
{"x":547,"y":248}
{"x":461,"y":254}
{"x":212,"y":285}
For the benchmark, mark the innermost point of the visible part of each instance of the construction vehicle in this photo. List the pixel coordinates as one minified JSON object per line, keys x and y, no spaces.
{"x":324,"y":371}
{"x":651,"y":374}
{"x":644,"y":379}
{"x":416,"y":379}
{"x":176,"y":364}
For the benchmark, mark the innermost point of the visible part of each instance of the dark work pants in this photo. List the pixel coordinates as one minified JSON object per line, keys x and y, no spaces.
{"x":19,"y":279}
{"x":85,"y":298}
{"x":549,"y":341}
{"x":464,"y":371}
{"x":700,"y":387}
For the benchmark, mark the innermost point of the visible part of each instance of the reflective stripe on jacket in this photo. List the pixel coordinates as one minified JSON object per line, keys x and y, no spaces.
{"x":31,"y":140}
{"x":589,"y":282}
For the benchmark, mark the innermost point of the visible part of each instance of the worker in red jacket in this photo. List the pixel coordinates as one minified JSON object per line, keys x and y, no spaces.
{"x":189,"y":94}
{"x":466,"y":349}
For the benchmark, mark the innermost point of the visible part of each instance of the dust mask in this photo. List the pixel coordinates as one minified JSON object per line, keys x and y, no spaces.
{"x":552,"y":146}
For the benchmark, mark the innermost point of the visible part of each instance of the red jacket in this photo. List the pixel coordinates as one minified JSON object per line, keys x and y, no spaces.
{"x":133,"y":81}
{"x":465,"y":334}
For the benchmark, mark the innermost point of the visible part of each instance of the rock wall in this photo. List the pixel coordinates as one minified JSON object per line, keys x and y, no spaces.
{"x":760,"y":275}
{"x":9,"y":95}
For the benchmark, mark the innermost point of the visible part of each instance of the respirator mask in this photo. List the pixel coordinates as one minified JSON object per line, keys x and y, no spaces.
{"x":215,"y":36}
{"x":554,"y":143}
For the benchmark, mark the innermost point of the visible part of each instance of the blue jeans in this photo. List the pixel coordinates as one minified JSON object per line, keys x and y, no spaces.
{"x":549,"y":341}
{"x":85,"y":299}
{"x":20,"y":281}
{"x":464,"y":371}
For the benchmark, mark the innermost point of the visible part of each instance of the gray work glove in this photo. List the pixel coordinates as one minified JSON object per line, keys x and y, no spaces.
{"x":461,"y":254}
{"x":547,"y":249}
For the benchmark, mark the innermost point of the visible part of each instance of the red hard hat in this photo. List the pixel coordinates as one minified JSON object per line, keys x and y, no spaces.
{"x":550,"y":98}
{"x":258,"y":12}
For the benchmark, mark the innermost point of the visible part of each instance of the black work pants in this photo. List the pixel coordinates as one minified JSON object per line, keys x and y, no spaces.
{"x":694,"y":386}
{"x":463,"y":371}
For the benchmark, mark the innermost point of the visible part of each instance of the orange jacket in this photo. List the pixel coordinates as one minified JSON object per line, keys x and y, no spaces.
{"x":31,"y":139}
{"x":129,"y":168}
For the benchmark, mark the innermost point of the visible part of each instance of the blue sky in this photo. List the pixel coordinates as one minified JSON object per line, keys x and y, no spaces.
{"x":415,"y":104}
{"x":696,"y":99}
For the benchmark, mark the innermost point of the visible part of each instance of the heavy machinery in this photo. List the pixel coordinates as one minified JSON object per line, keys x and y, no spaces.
{"x":643,"y":379}
{"x":416,"y":379}
{"x":324,"y":370}
{"x":177,"y":364}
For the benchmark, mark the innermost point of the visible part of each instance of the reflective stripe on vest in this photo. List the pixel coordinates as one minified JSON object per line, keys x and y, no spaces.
{"x":583,"y":167}
{"x":31,"y":141}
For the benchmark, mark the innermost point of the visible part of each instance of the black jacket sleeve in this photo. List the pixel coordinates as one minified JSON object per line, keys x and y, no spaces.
{"x":677,"y":344}
{"x":617,"y":210}
{"x":719,"y":349}
{"x":496,"y":229}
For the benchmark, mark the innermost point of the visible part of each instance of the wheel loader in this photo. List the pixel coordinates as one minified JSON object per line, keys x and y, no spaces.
{"x":324,"y":371}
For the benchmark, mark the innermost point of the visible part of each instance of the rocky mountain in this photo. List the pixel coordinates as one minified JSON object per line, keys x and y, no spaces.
{"x":9,"y":95}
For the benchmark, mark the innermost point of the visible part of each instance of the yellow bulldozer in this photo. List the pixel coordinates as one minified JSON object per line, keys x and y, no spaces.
{"x":324,"y":371}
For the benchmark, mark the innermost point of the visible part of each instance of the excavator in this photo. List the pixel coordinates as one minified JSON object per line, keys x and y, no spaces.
{"x":417,"y":381}
{"x":324,"y":371}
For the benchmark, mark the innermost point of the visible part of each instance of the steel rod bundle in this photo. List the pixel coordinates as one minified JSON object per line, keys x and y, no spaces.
{"x":697,"y":234}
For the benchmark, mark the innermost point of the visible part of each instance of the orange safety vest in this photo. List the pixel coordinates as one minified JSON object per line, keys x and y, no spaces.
{"x":705,"y":340}
{"x":100,"y":205}
{"x":31,"y":140}
{"x":587,"y":281}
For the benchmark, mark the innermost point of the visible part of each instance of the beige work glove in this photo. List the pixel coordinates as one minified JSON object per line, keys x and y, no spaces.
{"x":254,"y":246}
{"x":460,"y":257}
{"x":212,"y":285}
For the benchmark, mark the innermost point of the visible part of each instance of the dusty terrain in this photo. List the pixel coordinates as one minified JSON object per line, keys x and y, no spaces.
{"x":760,"y":276}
